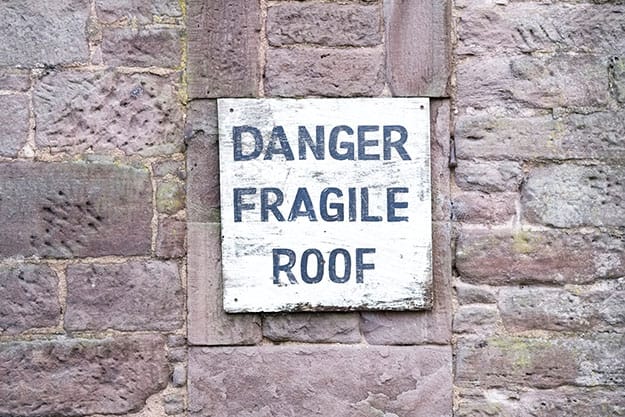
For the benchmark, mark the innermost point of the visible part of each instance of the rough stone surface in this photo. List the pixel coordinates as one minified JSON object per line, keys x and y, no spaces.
{"x":14,"y":79}
{"x":174,"y":168}
{"x":481,"y":319}
{"x":598,"y":307}
{"x":324,"y":72}
{"x":616,"y":78}
{"x":505,"y":257}
{"x":74,"y":209}
{"x":439,"y":155}
{"x":571,"y":136}
{"x":170,"y":238}
{"x":31,"y":35}
{"x":432,"y":326}
{"x":131,"y":296}
{"x":320,"y":380}
{"x":504,"y":361}
{"x":143,"y":11}
{"x":479,"y":207}
{"x":474,"y":294}
{"x":545,"y":82}
{"x":14,"y":125}
{"x":107,"y":110}
{"x":312,"y":327}
{"x":156,"y":47}
{"x":575,"y":195}
{"x":560,"y":402}
{"x":223,"y":48}
{"x":208,"y":324}
{"x":327,"y":24}
{"x":170,"y":197}
{"x":530,"y":27}
{"x":418,"y":47}
{"x":77,"y":377}
{"x":488,"y":176}
{"x":30,"y":298}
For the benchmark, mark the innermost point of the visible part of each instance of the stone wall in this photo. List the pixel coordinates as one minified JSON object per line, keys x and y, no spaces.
{"x":109,"y":208}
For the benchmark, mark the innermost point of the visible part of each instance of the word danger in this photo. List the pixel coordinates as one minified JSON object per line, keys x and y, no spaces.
{"x":344,"y":143}
{"x":334,"y":205}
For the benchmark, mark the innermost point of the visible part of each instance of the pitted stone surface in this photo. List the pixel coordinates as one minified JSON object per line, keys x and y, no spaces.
{"x":30,"y":299}
{"x":132,"y":296}
{"x":33,"y":35}
{"x":14,"y":124}
{"x":575,"y":195}
{"x":71,"y":210}
{"x":78,"y":377}
{"x":340,"y":381}
{"x":327,"y":24}
{"x":106,"y":111}
{"x":324,"y":72}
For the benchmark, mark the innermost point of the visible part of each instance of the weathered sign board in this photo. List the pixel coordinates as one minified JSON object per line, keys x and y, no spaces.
{"x":325,"y":204}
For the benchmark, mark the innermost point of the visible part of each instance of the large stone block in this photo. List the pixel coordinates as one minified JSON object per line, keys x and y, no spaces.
{"x":329,"y":72}
{"x":575,"y":195}
{"x":208,"y":324}
{"x":107,"y":110}
{"x":544,"y":82}
{"x":143,"y":11}
{"x":598,"y":307}
{"x":67,"y":210}
{"x":418,"y":47}
{"x":138,"y":295}
{"x":223,"y":48}
{"x":479,"y":207}
{"x":326,"y":380}
{"x":326,"y":24}
{"x":570,"y":136}
{"x":313,"y":327}
{"x":78,"y":377}
{"x":14,"y":124}
{"x":488,"y":176}
{"x":559,"y":402}
{"x":593,"y":360}
{"x":433,"y":326}
{"x":33,"y":35}
{"x":146,"y":47}
{"x":530,"y":27}
{"x":30,"y":298}
{"x":504,"y":257}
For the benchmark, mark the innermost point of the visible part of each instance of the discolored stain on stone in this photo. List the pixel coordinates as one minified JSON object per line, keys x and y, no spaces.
{"x":170,"y":197}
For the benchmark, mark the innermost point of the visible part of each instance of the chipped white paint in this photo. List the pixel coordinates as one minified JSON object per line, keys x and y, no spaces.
{"x":394,"y":253}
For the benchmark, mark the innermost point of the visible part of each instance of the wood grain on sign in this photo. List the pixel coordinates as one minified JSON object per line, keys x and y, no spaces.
{"x":325,"y":204}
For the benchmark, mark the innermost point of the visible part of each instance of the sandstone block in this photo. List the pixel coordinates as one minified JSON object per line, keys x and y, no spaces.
{"x":175,"y":169}
{"x":541,"y":362}
{"x":143,"y":11}
{"x":573,"y":136}
{"x":138,"y":295}
{"x":474,"y":294}
{"x":30,"y":298}
{"x":208,"y":324}
{"x":151,"y":47}
{"x":106,"y":110}
{"x":31,"y":35}
{"x":537,"y":82}
{"x":312,"y":327}
{"x":616,"y":78}
{"x":433,"y":326}
{"x":440,"y":135}
{"x":418,"y":47}
{"x":505,"y":257}
{"x":223,"y":45}
{"x":170,"y":197}
{"x":323,"y":380}
{"x":170,"y":238}
{"x":478,"y":207}
{"x":488,"y":176}
{"x":480,"y":319}
{"x":78,"y":377}
{"x":598,"y":307}
{"x":575,"y":195}
{"x":325,"y":24}
{"x":67,"y":210}
{"x":14,"y":124}
{"x":14,"y":79}
{"x":324,"y":72}
{"x":531,"y":27}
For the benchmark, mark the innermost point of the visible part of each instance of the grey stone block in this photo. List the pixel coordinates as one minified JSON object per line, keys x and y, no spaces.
{"x":14,"y":123}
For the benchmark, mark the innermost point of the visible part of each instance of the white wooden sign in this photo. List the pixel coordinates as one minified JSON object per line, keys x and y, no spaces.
{"x":325,"y":204}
